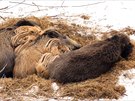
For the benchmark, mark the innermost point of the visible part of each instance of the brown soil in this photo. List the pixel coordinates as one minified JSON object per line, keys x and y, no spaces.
{"x":104,"y":86}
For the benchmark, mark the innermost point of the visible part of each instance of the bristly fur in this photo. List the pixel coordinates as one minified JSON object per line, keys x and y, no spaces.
{"x":7,"y":55}
{"x":91,"y":60}
{"x":29,"y":53}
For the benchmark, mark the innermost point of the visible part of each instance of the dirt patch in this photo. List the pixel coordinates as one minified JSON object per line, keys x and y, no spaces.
{"x":33,"y":86}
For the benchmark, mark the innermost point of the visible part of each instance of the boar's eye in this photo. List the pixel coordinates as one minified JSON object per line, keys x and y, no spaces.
{"x":52,"y":34}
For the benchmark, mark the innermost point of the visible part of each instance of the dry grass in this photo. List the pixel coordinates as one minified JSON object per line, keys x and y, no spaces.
{"x":104,"y":86}
{"x":62,"y":26}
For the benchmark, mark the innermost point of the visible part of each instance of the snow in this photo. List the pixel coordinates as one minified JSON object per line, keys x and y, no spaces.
{"x":116,"y":14}
{"x":54,"y":86}
{"x":129,"y":82}
{"x":132,"y":37}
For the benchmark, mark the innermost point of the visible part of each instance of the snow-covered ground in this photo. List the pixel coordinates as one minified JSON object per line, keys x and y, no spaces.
{"x":114,"y":13}
{"x":117,"y":14}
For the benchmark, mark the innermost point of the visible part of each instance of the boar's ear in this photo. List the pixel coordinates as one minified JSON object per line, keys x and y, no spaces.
{"x":24,"y":22}
{"x":114,"y":38}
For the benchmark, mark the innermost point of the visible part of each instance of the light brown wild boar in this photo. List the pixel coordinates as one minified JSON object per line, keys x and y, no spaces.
{"x":23,"y":35}
{"x":31,"y":52}
{"x":7,"y":56}
{"x":6,"y":52}
{"x":53,"y":48}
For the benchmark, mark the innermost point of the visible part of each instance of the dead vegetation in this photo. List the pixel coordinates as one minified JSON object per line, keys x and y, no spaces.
{"x":104,"y":86}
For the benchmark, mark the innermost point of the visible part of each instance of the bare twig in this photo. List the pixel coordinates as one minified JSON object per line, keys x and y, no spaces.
{"x":89,"y":4}
{"x":36,"y":6}
{"x":4,"y":8}
{"x":6,"y":12}
{"x":45,"y":7}
{"x":36,"y":11}
{"x":16,"y":4}
{"x":2,"y":18}
{"x":7,"y":7}
{"x":26,"y":4}
{"x":62,"y":3}
{"x":60,"y":6}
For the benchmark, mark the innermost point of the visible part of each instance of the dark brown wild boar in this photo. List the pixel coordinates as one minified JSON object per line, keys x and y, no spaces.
{"x":91,"y":60}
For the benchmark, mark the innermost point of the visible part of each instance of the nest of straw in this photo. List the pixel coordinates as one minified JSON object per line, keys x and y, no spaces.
{"x":33,"y":86}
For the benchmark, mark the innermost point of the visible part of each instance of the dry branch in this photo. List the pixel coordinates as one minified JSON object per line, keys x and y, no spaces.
{"x":7,"y":7}
{"x":26,"y":4}
{"x":2,"y":18}
{"x":4,"y":8}
{"x":61,"y":5}
{"x":17,"y":4}
{"x":36,"y":6}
